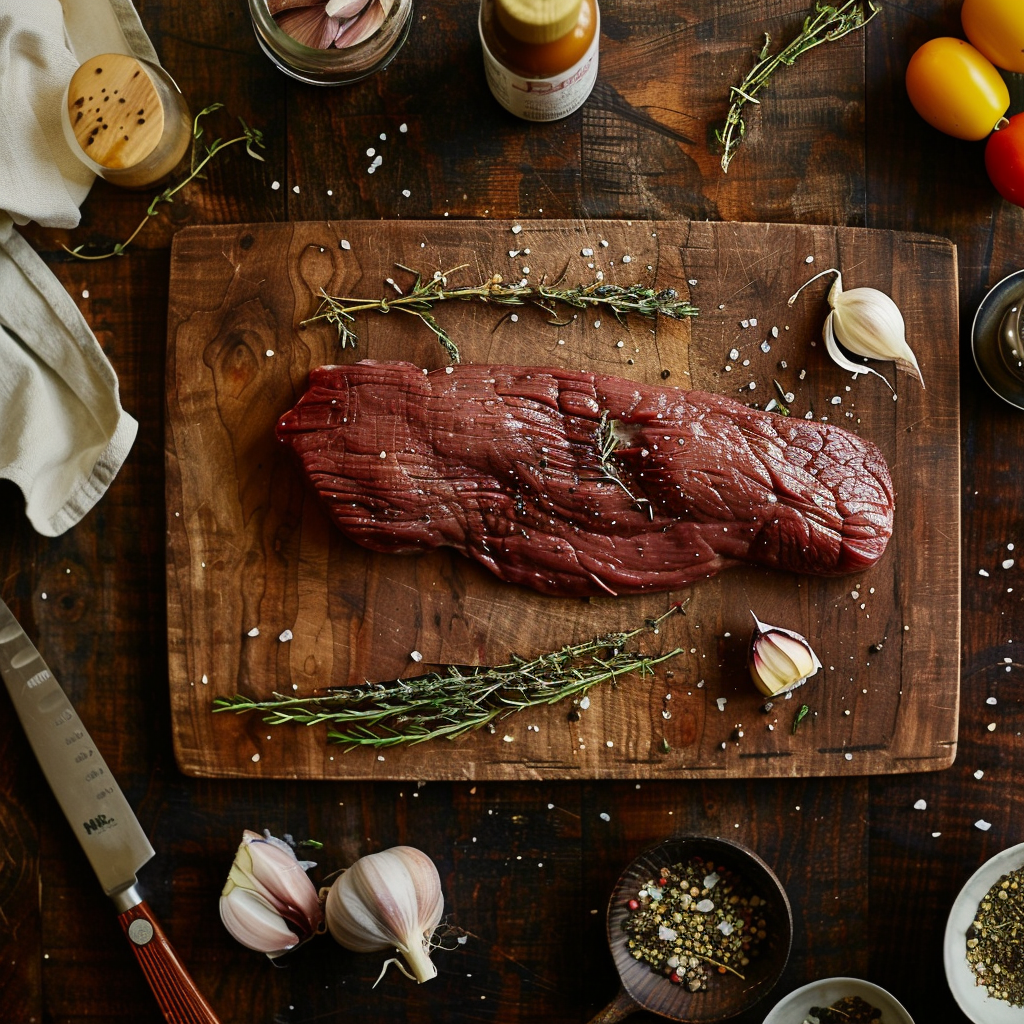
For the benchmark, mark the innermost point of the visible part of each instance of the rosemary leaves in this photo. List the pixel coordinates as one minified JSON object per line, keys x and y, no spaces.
{"x":455,"y":700}
{"x":826,"y":23}
{"x":995,"y":943}
{"x":426,"y":292}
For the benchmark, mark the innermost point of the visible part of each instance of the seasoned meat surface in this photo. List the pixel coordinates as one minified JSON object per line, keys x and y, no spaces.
{"x":584,"y":484}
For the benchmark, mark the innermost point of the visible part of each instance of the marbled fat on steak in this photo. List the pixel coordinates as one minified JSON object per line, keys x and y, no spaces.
{"x":583,"y":484}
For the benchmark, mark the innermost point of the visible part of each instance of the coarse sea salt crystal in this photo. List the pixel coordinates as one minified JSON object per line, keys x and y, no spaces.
{"x":979,"y":775}
{"x":345,"y":244}
{"x":403,"y":127}
{"x":516,"y":228}
{"x":295,"y":189}
{"x":991,"y":726}
{"x":275,"y":185}
{"x":991,"y":700}
{"x":1007,"y":563}
{"x":982,"y":572}
{"x":285,"y":636}
{"x":721,"y":701}
{"x":416,"y":656}
{"x":920,"y":805}
{"x":255,"y":631}
{"x":585,"y":703}
{"x":667,"y":934}
{"x":605,"y":816}
{"x":406,"y":193}
{"x":705,"y":906}
{"x":983,"y":824}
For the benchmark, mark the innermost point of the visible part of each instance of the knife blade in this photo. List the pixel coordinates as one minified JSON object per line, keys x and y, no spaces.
{"x":99,"y":815}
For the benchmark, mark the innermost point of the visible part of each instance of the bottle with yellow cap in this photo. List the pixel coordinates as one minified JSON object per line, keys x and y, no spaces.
{"x":540,"y":56}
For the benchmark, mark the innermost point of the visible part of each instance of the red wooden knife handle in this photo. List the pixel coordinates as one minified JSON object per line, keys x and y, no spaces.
{"x":175,"y":991}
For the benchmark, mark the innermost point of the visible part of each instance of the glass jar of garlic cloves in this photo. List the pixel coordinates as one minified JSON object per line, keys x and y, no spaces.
{"x":334,"y":42}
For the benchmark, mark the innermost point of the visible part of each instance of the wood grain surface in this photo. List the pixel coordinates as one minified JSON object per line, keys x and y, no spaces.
{"x":250,"y":548}
{"x":871,"y":864}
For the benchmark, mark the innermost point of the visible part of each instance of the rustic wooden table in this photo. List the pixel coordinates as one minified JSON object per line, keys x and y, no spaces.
{"x":527,"y":867}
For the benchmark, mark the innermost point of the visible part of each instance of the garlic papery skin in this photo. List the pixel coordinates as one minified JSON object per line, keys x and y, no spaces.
{"x":780,"y":659}
{"x":866,"y":322}
{"x":268,"y":902}
{"x":388,"y":900}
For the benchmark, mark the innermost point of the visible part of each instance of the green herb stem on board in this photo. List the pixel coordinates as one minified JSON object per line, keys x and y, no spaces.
{"x":202,"y":154}
{"x":455,"y":700}
{"x":826,"y":23}
{"x":426,"y":292}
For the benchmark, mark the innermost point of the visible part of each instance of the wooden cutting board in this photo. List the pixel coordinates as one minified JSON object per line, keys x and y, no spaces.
{"x":251,"y":554}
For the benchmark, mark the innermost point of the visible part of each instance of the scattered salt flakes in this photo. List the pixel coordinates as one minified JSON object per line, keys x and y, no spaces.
{"x":380,"y":757}
{"x":991,"y":700}
{"x":775,"y":332}
{"x":516,"y":228}
{"x":744,"y":324}
{"x":449,"y":369}
{"x":597,"y":323}
{"x":753,"y":321}
{"x":620,"y":344}
{"x":627,"y":259}
{"x":979,"y":775}
{"x":514,"y":318}
{"x":370,"y":169}
{"x":1007,"y":562}
{"x":847,"y":711}
{"x":710,"y":881}
{"x":507,"y":738}
{"x":746,"y":362}
{"x":371,"y":152}
{"x":295,"y":189}
{"x":587,"y":251}
{"x":609,"y":743}
{"x":383,"y":455}
{"x":561,"y":341}
{"x":991,"y":726}
{"x":752,"y":385}
{"x":982,"y":572}
{"x":551,"y":807}
{"x":255,"y":631}
{"x":667,"y":934}
{"x":605,"y":816}
{"x":275,"y":185}
{"x":585,"y":703}
{"x":406,"y":193}
{"x":1009,"y":547}
{"x":849,"y":757}
{"x":725,"y":928}
{"x":403,"y":127}
{"x":255,"y":757}
{"x":766,"y":346}
{"x":705,"y":906}
{"x":809,"y":259}
{"x":604,"y":244}
{"x":85,"y":293}
{"x":416,"y":656}
{"x":983,"y":824}
{"x":836,"y":400}
{"x":935,"y":835}
{"x":692,"y":282}
{"x":285,"y":636}
{"x":270,"y":353}
{"x":382,"y":137}
{"x":920,"y":805}
{"x":330,"y":191}
{"x":734,"y":353}
{"x":721,"y":702}
{"x":1008,"y":661}
{"x":346,"y":244}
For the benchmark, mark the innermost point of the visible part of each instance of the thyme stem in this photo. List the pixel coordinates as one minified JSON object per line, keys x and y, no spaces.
{"x":454,"y":701}
{"x":425,"y":293}
{"x":252,"y":137}
{"x":825,"y":24}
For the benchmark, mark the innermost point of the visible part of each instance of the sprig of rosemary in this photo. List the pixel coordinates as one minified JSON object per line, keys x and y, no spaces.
{"x":454,"y":701}
{"x":427,"y":292}
{"x":609,"y":442}
{"x":825,"y":24}
{"x":202,"y":154}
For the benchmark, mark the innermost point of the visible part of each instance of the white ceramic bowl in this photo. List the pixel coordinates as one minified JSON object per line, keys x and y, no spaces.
{"x":795,"y":1007}
{"x":974,"y":1000}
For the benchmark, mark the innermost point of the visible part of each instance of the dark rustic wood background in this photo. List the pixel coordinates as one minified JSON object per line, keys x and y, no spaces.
{"x":527,"y":867}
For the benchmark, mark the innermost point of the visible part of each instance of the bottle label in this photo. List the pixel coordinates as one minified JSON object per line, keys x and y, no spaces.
{"x":543,"y":99}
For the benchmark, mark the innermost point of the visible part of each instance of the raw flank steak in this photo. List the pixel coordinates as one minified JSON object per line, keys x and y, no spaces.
{"x":581,"y":484}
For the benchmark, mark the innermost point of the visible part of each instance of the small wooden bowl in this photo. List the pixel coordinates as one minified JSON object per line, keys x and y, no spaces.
{"x":726,"y":995}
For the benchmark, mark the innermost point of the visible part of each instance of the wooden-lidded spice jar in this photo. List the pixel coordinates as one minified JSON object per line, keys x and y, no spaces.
{"x":540,"y":56}
{"x":126,"y":120}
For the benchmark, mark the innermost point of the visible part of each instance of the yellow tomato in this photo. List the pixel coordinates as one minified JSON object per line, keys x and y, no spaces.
{"x":996,"y":28}
{"x":955,"y":89}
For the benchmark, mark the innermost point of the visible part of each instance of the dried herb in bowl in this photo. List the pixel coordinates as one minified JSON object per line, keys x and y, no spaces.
{"x":995,"y":940}
{"x":850,"y":1010}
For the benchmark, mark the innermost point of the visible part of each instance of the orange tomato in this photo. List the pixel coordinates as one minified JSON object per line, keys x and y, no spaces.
{"x":955,"y":89}
{"x":996,"y":28}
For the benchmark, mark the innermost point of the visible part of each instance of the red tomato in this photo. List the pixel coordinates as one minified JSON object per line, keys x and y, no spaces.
{"x":996,"y":28}
{"x":1004,"y":160}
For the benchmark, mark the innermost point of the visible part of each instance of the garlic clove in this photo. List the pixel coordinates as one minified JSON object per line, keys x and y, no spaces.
{"x":390,"y":899}
{"x":268,"y":902}
{"x":345,"y":8}
{"x":360,"y":28}
{"x":310,"y":26}
{"x":277,"y":6}
{"x":866,"y":322}
{"x":780,"y":659}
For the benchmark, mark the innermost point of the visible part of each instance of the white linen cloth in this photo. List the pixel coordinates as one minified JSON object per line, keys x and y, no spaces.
{"x":63,"y":433}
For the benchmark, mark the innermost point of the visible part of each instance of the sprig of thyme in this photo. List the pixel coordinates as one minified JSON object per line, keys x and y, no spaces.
{"x":825,"y":24}
{"x":427,"y":292}
{"x":202,"y":154}
{"x":454,"y":701}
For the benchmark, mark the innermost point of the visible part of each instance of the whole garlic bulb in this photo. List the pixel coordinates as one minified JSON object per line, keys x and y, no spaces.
{"x":388,"y":900}
{"x":866,"y":322}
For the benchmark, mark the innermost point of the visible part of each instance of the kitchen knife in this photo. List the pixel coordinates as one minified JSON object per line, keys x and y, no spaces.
{"x":99,"y":815}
